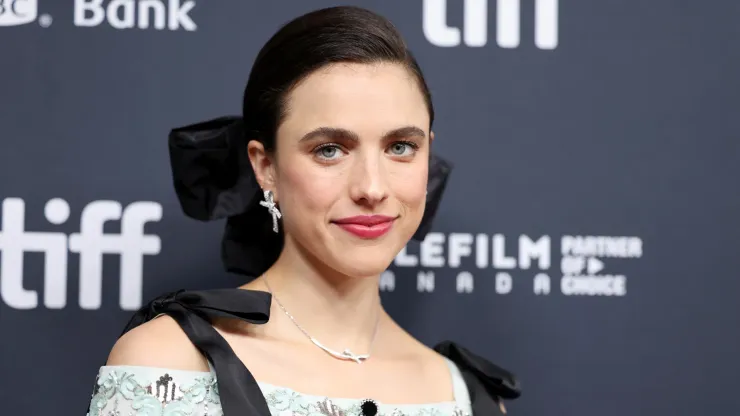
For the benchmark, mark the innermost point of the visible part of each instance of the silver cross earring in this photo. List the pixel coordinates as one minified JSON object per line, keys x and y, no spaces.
{"x":269,"y":203}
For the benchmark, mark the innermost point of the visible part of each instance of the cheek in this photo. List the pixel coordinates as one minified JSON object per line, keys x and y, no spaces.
{"x":303,"y":189}
{"x":410,"y":188}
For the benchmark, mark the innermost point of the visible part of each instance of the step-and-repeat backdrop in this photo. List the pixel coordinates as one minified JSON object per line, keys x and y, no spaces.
{"x":589,"y":239}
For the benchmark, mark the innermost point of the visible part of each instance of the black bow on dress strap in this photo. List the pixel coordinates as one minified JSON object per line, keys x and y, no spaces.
{"x":193,"y":310}
{"x":487,"y":383}
{"x":248,"y":305}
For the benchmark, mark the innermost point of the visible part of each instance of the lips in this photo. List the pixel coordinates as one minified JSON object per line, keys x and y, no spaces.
{"x":366,"y":226}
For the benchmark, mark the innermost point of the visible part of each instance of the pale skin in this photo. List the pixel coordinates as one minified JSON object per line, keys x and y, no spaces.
{"x":355,"y":141}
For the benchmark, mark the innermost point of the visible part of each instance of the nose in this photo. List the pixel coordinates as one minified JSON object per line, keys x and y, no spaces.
{"x":368,"y":184}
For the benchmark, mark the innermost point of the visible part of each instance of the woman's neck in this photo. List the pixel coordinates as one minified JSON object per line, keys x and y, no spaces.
{"x":338,"y":310}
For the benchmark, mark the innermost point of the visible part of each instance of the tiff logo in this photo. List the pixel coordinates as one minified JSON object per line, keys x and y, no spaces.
{"x":475,"y":23}
{"x":90,"y":243}
{"x":17,"y":12}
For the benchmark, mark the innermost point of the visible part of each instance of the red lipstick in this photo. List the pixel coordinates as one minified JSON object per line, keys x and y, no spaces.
{"x":366,"y":226}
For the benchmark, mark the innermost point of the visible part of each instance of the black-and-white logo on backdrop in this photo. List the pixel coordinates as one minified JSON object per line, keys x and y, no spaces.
{"x":91,"y":243}
{"x":118,"y":14}
{"x":475,"y":25}
{"x":586,"y":266}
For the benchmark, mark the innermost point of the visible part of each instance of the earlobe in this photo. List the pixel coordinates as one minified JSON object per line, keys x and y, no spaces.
{"x":431,"y":136}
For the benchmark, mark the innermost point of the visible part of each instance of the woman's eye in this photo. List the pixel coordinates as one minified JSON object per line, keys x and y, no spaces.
{"x":402,"y":148}
{"x":328,"y":152}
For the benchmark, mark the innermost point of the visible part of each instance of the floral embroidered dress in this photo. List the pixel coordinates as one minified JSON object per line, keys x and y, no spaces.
{"x":149,"y":391}
{"x":230,"y":389}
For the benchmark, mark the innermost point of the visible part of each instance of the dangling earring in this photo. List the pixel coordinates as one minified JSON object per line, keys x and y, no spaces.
{"x":269,"y":203}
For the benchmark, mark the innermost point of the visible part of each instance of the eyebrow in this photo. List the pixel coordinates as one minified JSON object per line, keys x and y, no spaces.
{"x":337,"y":133}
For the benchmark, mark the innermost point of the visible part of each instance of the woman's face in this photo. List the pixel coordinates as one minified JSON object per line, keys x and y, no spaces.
{"x":350,"y":170}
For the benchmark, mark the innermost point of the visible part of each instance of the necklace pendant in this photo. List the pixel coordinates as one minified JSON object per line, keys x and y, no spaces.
{"x":344,"y":355}
{"x":347,"y":354}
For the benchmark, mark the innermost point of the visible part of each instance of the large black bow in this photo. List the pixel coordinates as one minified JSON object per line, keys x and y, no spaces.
{"x":193,"y":311}
{"x":214,"y":179}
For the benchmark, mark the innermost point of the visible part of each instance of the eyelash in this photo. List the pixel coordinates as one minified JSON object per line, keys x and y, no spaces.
{"x":408,"y":143}
{"x":322,"y":146}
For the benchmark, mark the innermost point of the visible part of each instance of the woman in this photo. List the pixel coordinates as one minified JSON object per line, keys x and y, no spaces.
{"x":323,"y":180}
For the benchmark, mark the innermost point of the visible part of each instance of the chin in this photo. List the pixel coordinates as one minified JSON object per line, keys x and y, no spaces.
{"x":362,"y":262}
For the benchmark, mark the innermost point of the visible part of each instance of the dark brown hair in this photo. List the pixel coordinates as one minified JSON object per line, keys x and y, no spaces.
{"x":309,"y":42}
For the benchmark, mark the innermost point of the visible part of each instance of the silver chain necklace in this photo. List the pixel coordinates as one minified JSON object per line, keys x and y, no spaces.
{"x":347,"y":354}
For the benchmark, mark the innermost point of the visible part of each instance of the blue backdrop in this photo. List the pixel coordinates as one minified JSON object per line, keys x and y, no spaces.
{"x":589,"y":235}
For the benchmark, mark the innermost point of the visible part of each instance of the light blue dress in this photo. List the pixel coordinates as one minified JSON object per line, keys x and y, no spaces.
{"x":149,"y":391}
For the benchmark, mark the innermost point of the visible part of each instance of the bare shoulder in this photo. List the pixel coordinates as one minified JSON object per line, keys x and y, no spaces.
{"x":157,"y":343}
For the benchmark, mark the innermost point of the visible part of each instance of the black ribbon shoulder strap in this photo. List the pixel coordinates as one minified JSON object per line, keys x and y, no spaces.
{"x":238,"y":390}
{"x":193,"y":310}
{"x":487,"y":383}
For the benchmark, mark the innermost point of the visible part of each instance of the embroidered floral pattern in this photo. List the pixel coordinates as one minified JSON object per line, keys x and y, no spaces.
{"x":121,"y":393}
{"x":126,"y":391}
{"x":286,"y":402}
